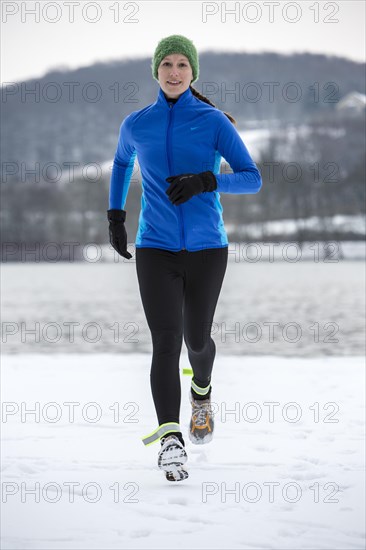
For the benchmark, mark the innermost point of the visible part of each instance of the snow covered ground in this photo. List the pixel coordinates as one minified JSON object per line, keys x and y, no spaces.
{"x":291,"y":481}
{"x":342,"y":224}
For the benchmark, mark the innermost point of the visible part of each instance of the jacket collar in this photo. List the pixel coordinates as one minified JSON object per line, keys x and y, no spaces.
{"x":184,"y":99}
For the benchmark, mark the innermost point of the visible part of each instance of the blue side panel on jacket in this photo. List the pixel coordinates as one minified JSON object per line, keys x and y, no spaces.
{"x":169,"y":139}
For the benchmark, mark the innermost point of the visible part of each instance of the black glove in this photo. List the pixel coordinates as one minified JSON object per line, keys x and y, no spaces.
{"x":183,"y":187}
{"x":117,"y":232}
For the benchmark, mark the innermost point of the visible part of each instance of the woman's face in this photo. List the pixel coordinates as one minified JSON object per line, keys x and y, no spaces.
{"x":174,"y":68}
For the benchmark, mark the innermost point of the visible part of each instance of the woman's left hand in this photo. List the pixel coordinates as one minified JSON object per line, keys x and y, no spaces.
{"x":185,"y":186}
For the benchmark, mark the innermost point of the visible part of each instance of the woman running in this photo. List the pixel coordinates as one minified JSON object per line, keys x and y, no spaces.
{"x":181,"y":242}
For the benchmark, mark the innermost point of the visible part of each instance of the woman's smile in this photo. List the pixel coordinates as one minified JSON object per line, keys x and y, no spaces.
{"x":175,"y":75}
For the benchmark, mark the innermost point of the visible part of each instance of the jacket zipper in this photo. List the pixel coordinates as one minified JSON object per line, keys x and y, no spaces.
{"x":170,"y":172}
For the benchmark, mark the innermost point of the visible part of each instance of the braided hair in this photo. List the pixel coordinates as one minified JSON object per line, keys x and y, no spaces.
{"x":206,"y":100}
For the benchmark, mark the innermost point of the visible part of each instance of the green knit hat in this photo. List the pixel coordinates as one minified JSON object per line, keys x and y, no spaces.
{"x":176,"y":43}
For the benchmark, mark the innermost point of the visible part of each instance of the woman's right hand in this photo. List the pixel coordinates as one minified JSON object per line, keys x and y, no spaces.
{"x":117,"y":232}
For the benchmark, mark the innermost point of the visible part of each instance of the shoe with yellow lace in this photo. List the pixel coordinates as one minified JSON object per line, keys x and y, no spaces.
{"x":201,"y":425}
{"x":172,"y":456}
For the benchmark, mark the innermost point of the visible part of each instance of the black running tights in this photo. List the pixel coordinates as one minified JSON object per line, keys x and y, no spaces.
{"x":179,"y":293}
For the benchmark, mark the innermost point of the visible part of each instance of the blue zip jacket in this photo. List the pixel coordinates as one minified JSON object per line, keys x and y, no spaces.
{"x":169,"y":139}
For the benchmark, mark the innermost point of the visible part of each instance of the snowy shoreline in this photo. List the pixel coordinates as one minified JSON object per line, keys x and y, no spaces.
{"x":251,"y":250}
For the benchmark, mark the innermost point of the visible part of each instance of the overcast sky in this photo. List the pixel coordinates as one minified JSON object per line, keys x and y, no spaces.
{"x":30,"y":48}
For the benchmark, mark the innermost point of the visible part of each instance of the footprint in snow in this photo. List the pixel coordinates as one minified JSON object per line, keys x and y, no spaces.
{"x":141,"y":533}
{"x":177,"y":500}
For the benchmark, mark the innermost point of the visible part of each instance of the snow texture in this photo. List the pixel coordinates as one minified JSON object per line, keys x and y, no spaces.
{"x":318,"y":458}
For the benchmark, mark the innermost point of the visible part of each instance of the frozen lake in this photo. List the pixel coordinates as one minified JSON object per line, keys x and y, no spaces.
{"x":302,"y":309}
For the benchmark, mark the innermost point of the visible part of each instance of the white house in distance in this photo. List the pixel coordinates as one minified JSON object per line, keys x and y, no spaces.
{"x":353,"y":103}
